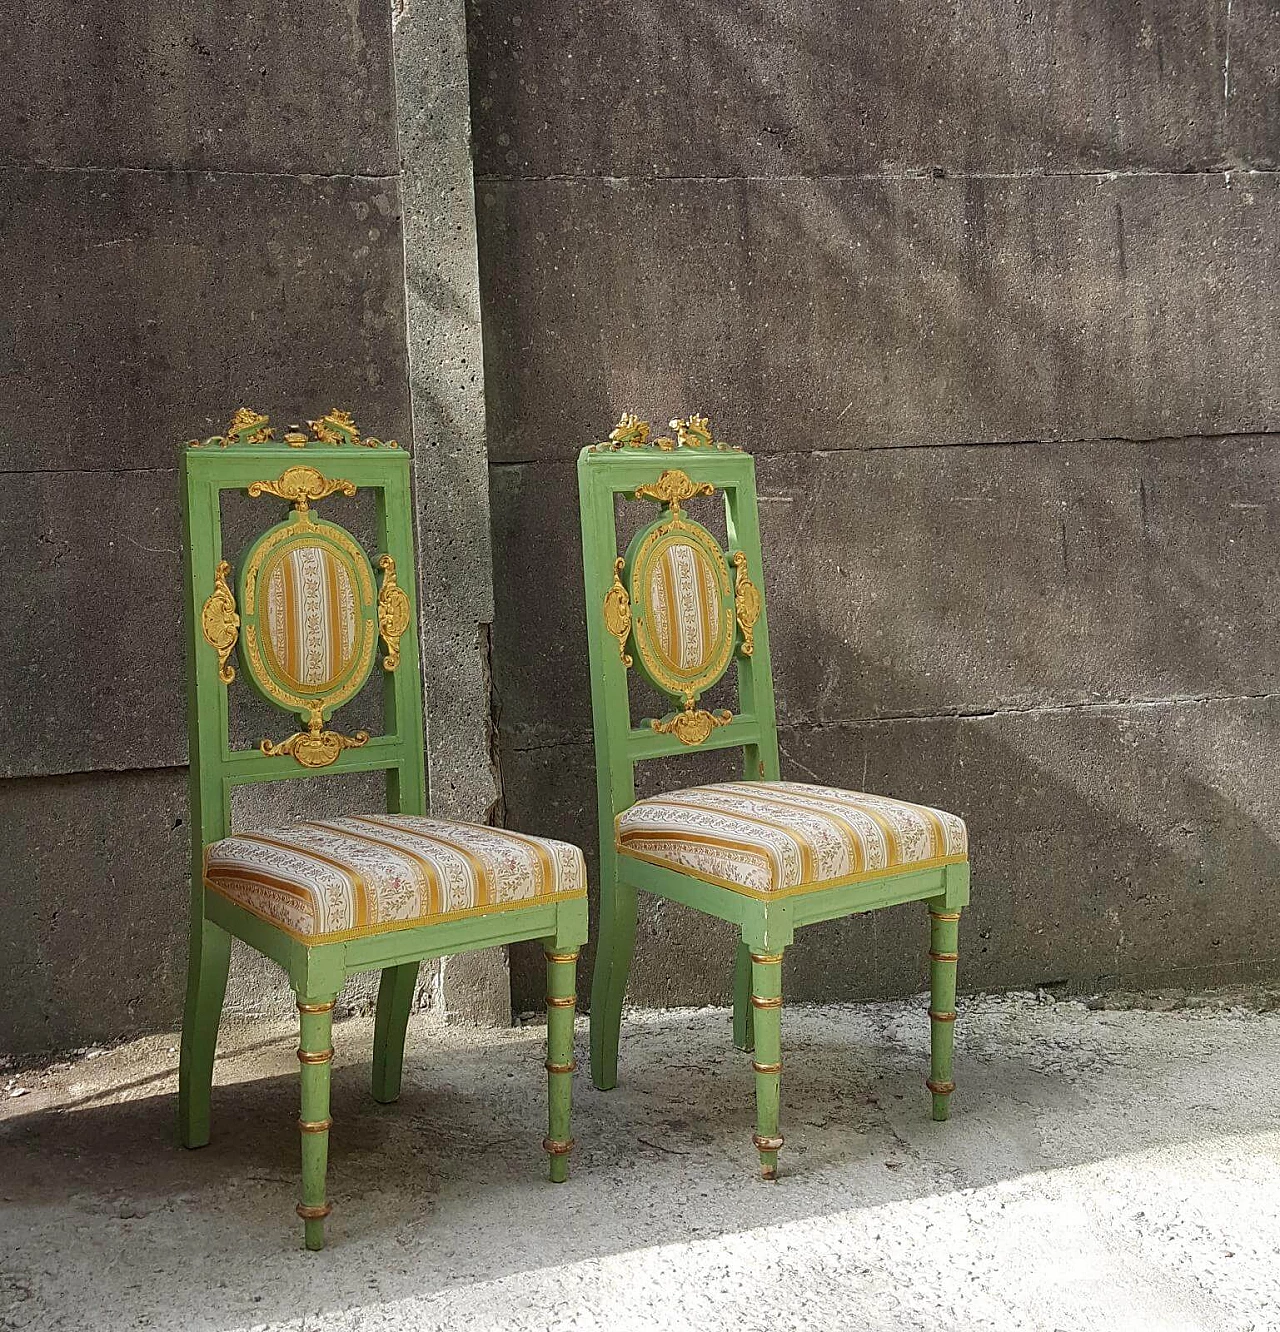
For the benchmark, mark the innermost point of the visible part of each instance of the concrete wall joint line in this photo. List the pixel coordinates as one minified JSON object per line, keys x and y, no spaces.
{"x":107,"y":169}
{"x":872,"y":177}
{"x":1262,"y":433}
{"x":958,"y":714}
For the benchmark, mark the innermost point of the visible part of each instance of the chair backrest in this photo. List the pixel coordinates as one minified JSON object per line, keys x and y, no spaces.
{"x":676,"y":607}
{"x":302,"y":616}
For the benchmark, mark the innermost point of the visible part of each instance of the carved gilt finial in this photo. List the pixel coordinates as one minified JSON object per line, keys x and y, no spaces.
{"x":673,"y":487}
{"x":695,"y":433}
{"x":247,"y":427}
{"x":617,"y":611}
{"x":393,"y":612}
{"x":630,"y":432}
{"x":633,"y":433}
{"x":301,"y":485}
{"x":219,"y":622}
{"x":747,"y":603}
{"x":336,"y":428}
{"x":315,"y":747}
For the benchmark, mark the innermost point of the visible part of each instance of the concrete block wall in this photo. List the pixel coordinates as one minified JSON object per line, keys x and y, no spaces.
{"x":989,"y":290}
{"x":202,"y":206}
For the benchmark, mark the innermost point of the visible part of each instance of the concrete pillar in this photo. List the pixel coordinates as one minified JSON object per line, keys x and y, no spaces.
{"x":451,"y":470}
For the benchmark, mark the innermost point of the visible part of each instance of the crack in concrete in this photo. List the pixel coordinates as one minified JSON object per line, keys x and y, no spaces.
{"x":52,"y":168}
{"x":877,"y":177}
{"x":793,"y":724}
{"x":86,"y":471}
{"x":963,"y":714}
{"x":1261,"y":434}
{"x":497,"y":811}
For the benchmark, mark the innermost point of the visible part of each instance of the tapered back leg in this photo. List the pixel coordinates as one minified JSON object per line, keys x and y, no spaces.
{"x":395,"y":1001}
{"x":744,"y":1028}
{"x":614,"y":949}
{"x":207,"y":964}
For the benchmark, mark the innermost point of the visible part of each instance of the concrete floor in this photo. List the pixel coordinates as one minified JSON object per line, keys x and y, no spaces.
{"x":1104,"y":1169}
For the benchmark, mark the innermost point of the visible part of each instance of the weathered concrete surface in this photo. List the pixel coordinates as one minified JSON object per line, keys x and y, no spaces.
{"x":859,"y":313}
{"x":199,"y":209}
{"x":1103,"y":1170}
{"x":652,"y":88}
{"x":93,"y":912}
{"x":76,"y":572}
{"x":446,"y":376}
{"x":159,"y":298}
{"x":202,"y":86}
{"x":868,"y":241}
{"x":1252,"y":81}
{"x":1142,"y":571}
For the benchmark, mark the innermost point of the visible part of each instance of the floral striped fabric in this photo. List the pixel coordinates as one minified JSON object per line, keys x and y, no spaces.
{"x":312,"y":623}
{"x":769,"y":839}
{"x":684,"y":607}
{"x":342,"y":878}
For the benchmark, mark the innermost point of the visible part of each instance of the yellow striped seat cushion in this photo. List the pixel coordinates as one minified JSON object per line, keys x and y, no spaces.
{"x":342,"y":878}
{"x":774,"y":838}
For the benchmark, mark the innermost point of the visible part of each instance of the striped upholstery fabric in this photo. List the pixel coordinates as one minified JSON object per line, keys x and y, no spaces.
{"x":312,"y":624}
{"x":684,"y":607}
{"x":343,"y":878}
{"x":771,"y":839}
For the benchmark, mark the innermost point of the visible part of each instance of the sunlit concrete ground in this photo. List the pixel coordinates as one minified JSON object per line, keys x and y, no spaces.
{"x":1103,"y":1169}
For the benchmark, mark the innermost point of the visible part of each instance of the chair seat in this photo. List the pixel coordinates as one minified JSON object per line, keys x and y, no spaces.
{"x":773,"y":839}
{"x":344,"y":878}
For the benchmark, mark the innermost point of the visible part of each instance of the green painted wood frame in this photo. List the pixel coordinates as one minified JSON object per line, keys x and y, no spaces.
{"x":317,"y":972}
{"x":767,"y":928}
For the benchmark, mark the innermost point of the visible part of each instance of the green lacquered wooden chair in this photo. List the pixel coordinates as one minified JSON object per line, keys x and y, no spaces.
{"x":334,"y":897}
{"x":766,"y":855}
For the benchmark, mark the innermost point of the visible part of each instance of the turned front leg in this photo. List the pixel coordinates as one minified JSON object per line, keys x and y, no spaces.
{"x":315,"y":1055}
{"x":944,"y":933}
{"x":766,"y":1004}
{"x":561,"y":1000}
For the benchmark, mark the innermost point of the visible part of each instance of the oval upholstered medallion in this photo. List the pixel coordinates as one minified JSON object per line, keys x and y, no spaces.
{"x":683,"y":606}
{"x":311,"y":628}
{"x":308,"y":605}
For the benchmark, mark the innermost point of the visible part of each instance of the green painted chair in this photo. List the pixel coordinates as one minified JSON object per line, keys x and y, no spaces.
{"x":330,"y":898}
{"x":766,"y":855}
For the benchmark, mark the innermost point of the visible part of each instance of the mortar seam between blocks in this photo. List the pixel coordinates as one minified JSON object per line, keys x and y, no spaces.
{"x":986,"y":714}
{"x":874,"y":177}
{"x":1263,"y":432}
{"x":118,"y":170}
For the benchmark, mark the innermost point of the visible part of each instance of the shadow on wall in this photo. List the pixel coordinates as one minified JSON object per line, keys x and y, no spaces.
{"x":1125,"y":843}
{"x":1070,"y":645}
{"x":1109,"y":849}
{"x":852,"y":313}
{"x":811,"y":87}
{"x":654,"y":250}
